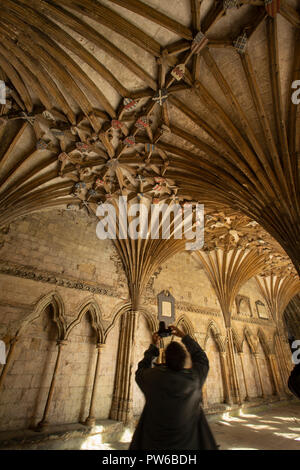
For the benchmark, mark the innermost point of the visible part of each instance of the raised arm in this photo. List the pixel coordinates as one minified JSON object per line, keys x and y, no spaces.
{"x":198,"y":356}
{"x":145,"y":363}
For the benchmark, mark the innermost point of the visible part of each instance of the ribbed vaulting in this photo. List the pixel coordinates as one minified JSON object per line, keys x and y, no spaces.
{"x":178,"y":101}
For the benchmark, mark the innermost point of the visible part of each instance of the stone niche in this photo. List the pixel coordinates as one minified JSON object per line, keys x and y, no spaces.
{"x":261,"y":309}
{"x":243,"y":305}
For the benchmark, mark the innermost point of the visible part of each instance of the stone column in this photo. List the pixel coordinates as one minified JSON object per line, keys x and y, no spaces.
{"x":276,"y":384}
{"x":9,"y":358}
{"x":43,"y":423}
{"x":91,"y":420}
{"x":282,"y":358}
{"x":259,"y":376}
{"x":244,"y":376}
{"x":227,"y":394}
{"x":232,"y":368}
{"x":282,"y":361}
{"x":121,"y":409}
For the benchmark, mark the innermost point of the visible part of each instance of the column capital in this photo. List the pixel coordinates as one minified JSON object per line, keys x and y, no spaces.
{"x":100,"y":346}
{"x":62,"y":342}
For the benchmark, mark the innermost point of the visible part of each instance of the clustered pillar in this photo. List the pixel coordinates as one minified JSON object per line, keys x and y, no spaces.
{"x":259,"y":375}
{"x":232,"y":367}
{"x":230,"y":379}
{"x":284,"y":370}
{"x":241,"y":355}
{"x":121,"y":409}
{"x":225,"y":375}
{"x":275,"y":375}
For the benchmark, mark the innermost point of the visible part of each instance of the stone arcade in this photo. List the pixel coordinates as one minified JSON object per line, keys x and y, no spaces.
{"x":182,"y":101}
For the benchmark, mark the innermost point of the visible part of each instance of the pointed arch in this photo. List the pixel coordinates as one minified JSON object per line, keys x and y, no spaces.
{"x":151,"y":320}
{"x":214,"y":330}
{"x":118,"y":311}
{"x":251,"y":339}
{"x":263,"y":341}
{"x":55,"y":300}
{"x":187,"y":325}
{"x":89,"y":305}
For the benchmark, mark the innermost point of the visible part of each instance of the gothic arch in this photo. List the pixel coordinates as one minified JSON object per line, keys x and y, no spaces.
{"x":187,"y":325}
{"x":263,"y":341}
{"x":251,"y":339}
{"x":89,"y":305}
{"x":55,"y":300}
{"x":215,"y":331}
{"x":118,"y":311}
{"x":151,"y":320}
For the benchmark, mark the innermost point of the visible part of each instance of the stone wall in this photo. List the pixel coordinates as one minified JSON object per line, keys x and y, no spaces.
{"x":38,"y":262}
{"x":54,"y":272}
{"x":198,"y":306}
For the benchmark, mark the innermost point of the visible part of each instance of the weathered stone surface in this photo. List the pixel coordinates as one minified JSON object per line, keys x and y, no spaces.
{"x":53,"y":271}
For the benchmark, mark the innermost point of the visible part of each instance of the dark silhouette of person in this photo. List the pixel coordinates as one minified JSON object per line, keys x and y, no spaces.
{"x":172,"y":418}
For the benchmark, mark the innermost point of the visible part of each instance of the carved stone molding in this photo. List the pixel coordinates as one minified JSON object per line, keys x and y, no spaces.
{"x":188,"y":307}
{"x":28,"y":272}
{"x":243,"y":298}
{"x":185,"y":307}
{"x":259,"y":321}
{"x":261,"y":310}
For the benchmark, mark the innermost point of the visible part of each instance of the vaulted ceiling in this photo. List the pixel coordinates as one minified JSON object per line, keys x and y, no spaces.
{"x":176,"y":101}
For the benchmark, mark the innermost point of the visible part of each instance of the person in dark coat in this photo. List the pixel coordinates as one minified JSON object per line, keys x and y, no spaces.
{"x":294,"y":378}
{"x":172,"y":418}
{"x":294,"y":381}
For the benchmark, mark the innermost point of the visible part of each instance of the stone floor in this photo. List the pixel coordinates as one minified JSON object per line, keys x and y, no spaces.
{"x":274,"y":426}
